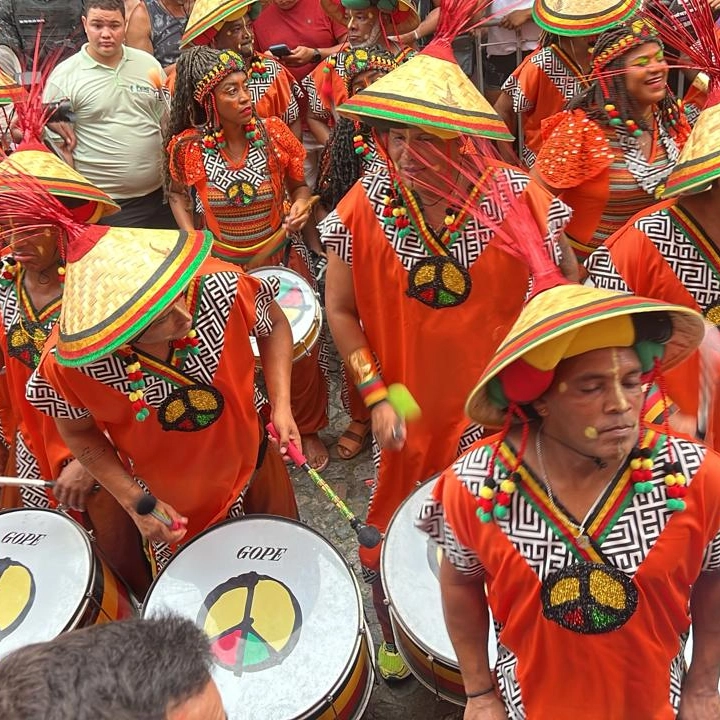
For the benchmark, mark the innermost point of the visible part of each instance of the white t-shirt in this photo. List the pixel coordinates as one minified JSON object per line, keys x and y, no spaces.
{"x":501,"y":41}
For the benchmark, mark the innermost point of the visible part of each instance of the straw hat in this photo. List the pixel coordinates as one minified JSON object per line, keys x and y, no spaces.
{"x":10,"y":91}
{"x":402,"y":13}
{"x":117,"y":281}
{"x":57,"y":177}
{"x":699,"y":161}
{"x":208,"y":16}
{"x":582,"y":17}
{"x":555,"y":324}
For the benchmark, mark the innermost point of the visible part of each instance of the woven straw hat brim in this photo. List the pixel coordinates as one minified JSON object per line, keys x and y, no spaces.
{"x":206,"y":14}
{"x":431,"y":93}
{"x":120,"y":285}
{"x":564,"y":309}
{"x":582,"y":17}
{"x":57,"y":177}
{"x":699,"y":161}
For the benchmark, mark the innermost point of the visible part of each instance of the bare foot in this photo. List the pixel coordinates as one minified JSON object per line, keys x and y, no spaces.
{"x":315,"y":451}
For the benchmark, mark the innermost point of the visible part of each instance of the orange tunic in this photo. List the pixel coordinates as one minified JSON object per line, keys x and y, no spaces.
{"x":40,"y":453}
{"x":591,"y":667}
{"x":424,"y":348}
{"x":602,"y":174}
{"x":201,"y":473}
{"x":274,"y":90}
{"x":539,"y":87}
{"x":664,"y":254}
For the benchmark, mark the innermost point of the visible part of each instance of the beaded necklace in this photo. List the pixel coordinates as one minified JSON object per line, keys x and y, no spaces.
{"x":438,"y":281}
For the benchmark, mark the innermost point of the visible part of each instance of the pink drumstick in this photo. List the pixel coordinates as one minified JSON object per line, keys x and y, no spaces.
{"x":368,"y":535}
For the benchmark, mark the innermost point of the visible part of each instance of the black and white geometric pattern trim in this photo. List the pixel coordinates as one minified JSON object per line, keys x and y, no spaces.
{"x":41,"y":395}
{"x":259,"y":86}
{"x":602,"y":272}
{"x":26,"y":466}
{"x":475,"y":238}
{"x":267,"y":292}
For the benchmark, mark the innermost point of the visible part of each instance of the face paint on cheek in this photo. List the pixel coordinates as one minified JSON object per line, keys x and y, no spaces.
{"x":591,"y":432}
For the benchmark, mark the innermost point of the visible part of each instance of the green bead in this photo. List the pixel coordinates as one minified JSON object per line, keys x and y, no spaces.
{"x":485,"y":517}
{"x":616,"y":121}
{"x":500,"y":512}
{"x":643,"y":487}
{"x":675,"y":504}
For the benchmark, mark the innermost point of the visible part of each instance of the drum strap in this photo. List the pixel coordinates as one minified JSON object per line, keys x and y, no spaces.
{"x":262,"y":449}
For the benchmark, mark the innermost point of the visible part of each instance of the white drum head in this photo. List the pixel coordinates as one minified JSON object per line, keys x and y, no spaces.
{"x":45,"y":572}
{"x":410,"y":565}
{"x":297,"y":300}
{"x":280,"y":605}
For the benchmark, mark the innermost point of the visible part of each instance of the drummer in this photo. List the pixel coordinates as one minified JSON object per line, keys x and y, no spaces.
{"x":242,"y":168}
{"x":30,"y":300}
{"x":593,"y":533}
{"x":410,"y":281}
{"x":153,"y":346}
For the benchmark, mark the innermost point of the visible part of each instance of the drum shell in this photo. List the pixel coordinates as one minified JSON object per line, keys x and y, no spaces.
{"x":101,"y":596}
{"x":347,"y":696}
{"x":415,"y":607}
{"x":304,"y":342}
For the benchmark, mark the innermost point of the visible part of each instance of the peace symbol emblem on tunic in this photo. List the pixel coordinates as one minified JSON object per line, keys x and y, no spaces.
{"x":439,"y":282}
{"x":191,"y":408}
{"x":589,"y":598}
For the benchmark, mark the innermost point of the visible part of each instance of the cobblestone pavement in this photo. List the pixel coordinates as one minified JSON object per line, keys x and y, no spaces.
{"x":408,"y":700}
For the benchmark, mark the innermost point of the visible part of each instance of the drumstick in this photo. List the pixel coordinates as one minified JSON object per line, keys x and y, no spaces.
{"x":368,"y":535}
{"x":274,"y":239}
{"x":147,"y":505}
{"x":27,"y":482}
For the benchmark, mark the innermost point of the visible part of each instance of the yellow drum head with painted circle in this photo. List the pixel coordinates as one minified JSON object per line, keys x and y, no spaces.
{"x":17,"y":592}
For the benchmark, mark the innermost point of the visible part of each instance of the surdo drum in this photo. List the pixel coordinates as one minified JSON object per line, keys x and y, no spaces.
{"x":51,"y":579}
{"x":284,"y":616}
{"x":301,"y":306}
{"x":410,"y":567}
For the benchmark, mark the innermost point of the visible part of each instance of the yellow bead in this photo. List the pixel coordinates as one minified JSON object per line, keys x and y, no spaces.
{"x":635,"y":464}
{"x":487,"y":493}
{"x":670,"y":480}
{"x":133,"y":396}
{"x":192,"y":333}
{"x":396,"y":212}
{"x":680,"y":479}
{"x":609,"y":107}
{"x":508,"y":486}
{"x":647,"y":464}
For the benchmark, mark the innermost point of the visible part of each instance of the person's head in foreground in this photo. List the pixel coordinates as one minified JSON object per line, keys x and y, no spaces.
{"x":577,"y":363}
{"x":157,"y":669}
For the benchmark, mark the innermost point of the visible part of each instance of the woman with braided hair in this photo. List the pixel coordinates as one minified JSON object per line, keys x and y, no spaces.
{"x":349,"y":155}
{"x":616,"y":144}
{"x":243,"y":169}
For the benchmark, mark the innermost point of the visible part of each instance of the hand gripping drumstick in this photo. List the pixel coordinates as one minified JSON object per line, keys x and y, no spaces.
{"x":368,"y":535}
{"x":147,"y":505}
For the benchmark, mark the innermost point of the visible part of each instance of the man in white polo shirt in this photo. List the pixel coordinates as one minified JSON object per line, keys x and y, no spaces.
{"x":116,"y":140}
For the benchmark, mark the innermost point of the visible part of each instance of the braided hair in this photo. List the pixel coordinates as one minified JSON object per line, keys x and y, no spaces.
{"x":340,"y":166}
{"x":610,"y":85}
{"x":186,"y":112}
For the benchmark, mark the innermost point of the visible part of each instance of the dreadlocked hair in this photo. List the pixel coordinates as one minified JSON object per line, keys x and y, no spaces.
{"x":186,"y":112}
{"x":341,"y":166}
{"x":610,"y":86}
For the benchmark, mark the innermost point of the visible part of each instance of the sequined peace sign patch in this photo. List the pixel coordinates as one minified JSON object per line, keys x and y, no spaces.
{"x":439,"y":282}
{"x":191,"y":408}
{"x":589,"y":598}
{"x":26,"y":341}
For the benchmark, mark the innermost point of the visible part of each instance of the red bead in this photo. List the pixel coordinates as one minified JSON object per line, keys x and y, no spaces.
{"x":503,"y":498}
{"x":486,"y":504}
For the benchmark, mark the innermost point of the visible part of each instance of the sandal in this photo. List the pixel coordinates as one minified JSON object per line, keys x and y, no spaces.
{"x":354,"y":440}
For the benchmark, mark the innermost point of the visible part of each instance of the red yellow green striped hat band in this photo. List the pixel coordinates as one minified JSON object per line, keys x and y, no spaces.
{"x":582,"y":17}
{"x":429,"y":92}
{"x":699,"y":161}
{"x":207,"y":16}
{"x":540,"y":335}
{"x":57,"y":177}
{"x":117,"y":281}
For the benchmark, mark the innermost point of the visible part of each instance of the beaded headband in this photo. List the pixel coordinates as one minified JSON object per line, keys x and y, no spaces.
{"x":638,"y":33}
{"x":228,"y":63}
{"x":360,"y":60}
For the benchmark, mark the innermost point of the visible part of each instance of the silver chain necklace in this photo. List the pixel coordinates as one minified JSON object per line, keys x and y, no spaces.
{"x":582,"y":538}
